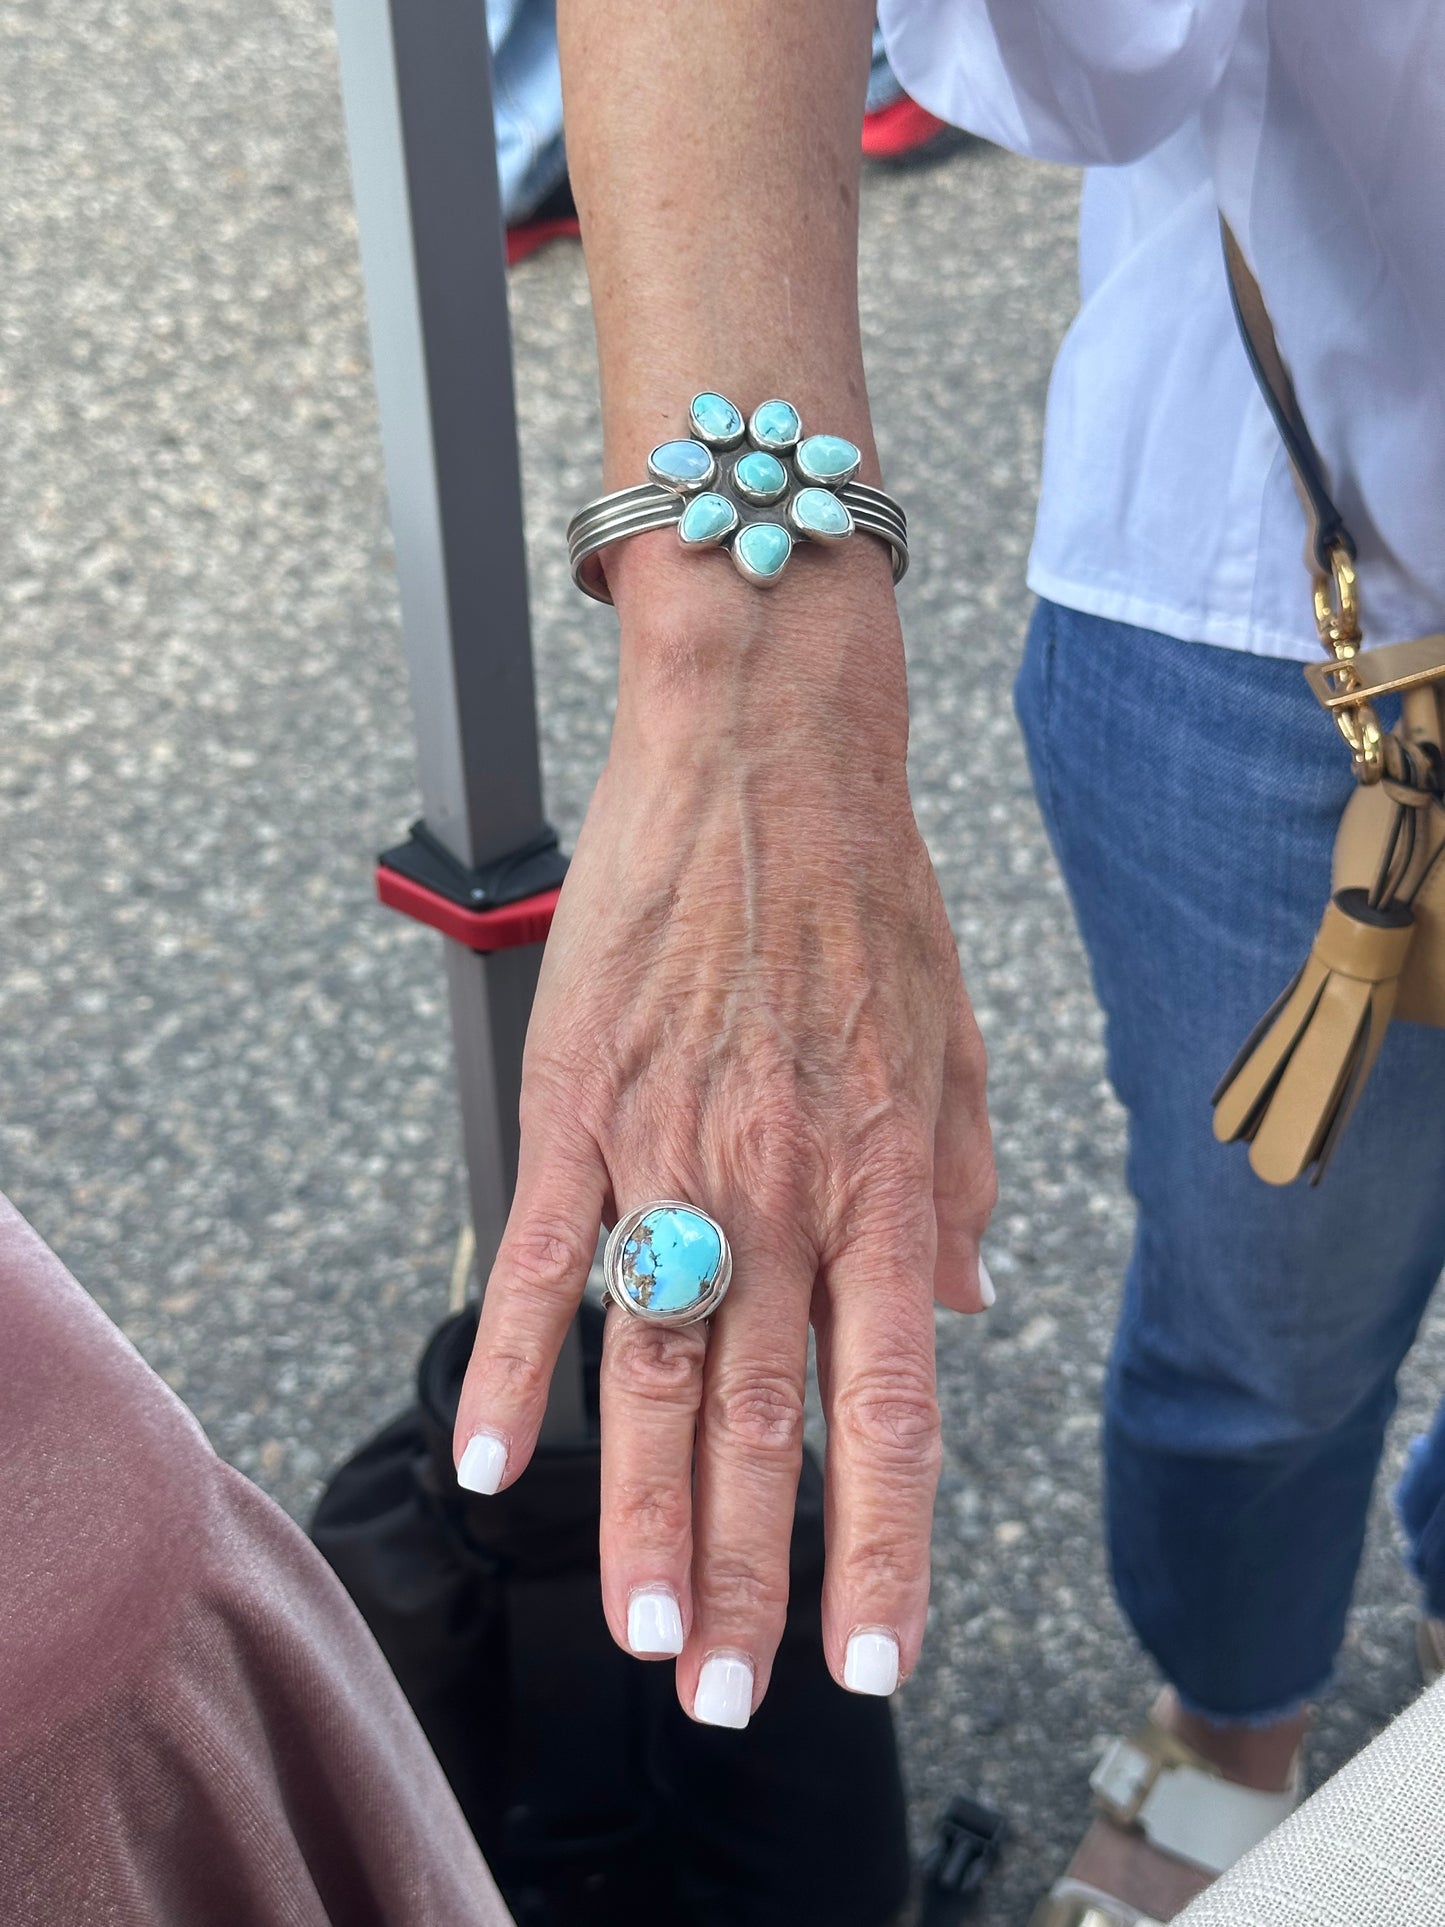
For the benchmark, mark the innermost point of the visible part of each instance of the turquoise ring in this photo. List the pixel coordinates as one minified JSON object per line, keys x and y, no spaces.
{"x":668,"y":1263}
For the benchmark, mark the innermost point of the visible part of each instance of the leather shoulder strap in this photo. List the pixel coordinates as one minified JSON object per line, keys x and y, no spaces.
{"x":1327,"y":525}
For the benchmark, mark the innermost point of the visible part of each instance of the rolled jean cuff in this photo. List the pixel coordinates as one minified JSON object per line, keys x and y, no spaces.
{"x":1272,"y":1716}
{"x":1419,"y":1506}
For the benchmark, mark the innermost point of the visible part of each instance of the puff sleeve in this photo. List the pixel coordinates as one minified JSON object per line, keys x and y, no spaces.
{"x":1096,"y":84}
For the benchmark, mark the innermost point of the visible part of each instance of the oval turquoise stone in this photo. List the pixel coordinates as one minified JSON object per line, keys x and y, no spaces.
{"x":816,"y":512}
{"x":775,"y":424}
{"x":670,"y":1261}
{"x":765,"y":547}
{"x":760,"y":477}
{"x":828,"y":458}
{"x":681,"y":464}
{"x":715,"y":420}
{"x":707,"y":518}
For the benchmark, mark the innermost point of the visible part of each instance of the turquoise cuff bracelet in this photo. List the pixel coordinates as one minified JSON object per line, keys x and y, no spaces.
{"x":753,"y":487}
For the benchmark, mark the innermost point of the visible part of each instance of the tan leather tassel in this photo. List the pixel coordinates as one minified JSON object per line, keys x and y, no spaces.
{"x":1290,"y":1091}
{"x":1292,"y":1088}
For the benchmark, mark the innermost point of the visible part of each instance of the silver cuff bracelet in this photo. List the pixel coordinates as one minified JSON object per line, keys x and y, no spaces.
{"x":752,"y":487}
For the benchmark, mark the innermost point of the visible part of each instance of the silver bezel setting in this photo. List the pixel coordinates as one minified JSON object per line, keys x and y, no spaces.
{"x":810,"y":477}
{"x":612,"y":1266}
{"x":719,"y":536}
{"x":757,"y":577}
{"x":716,"y":442}
{"x":755,"y":440}
{"x":701,"y":485}
{"x":827,"y":538}
{"x":759,"y":498}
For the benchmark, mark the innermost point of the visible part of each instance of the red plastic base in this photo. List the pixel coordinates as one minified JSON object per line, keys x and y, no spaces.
{"x":525,"y":239}
{"x":508,"y":927}
{"x":901,"y":128}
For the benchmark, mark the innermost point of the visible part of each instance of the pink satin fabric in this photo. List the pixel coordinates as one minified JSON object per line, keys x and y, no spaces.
{"x":196,"y":1726}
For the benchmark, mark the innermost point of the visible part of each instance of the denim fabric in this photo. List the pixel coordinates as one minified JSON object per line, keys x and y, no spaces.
{"x":883,"y":85}
{"x":1420,"y":1507}
{"x":1192,"y":795}
{"x":526,"y":102}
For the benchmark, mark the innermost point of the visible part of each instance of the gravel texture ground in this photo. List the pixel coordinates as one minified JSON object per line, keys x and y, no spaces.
{"x":225,"y":1074}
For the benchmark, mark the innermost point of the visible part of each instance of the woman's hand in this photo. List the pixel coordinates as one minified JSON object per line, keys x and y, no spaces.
{"x":751,"y":1000}
{"x":751,"y":997}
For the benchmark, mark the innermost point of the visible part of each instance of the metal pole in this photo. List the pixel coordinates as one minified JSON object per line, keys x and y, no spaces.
{"x":416,"y":86}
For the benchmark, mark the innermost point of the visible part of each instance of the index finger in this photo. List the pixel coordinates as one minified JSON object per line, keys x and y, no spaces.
{"x":532,"y":1295}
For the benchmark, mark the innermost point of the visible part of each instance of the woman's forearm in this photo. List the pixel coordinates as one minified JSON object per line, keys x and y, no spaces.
{"x":714,"y":153}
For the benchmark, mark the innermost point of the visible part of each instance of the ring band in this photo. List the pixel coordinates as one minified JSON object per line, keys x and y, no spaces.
{"x":636,"y":511}
{"x":667,"y":1263}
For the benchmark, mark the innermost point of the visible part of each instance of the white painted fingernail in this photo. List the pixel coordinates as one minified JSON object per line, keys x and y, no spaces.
{"x":483,"y":1463}
{"x":724,"y":1691}
{"x":985,"y":1285}
{"x":872,"y":1664}
{"x":654,"y":1622}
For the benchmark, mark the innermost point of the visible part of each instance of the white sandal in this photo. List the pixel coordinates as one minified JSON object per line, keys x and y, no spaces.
{"x":1430,"y":1638}
{"x":1157,"y":1786}
{"x":1073,"y":1903}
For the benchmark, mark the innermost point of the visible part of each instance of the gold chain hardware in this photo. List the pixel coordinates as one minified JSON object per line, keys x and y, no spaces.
{"x":1337,"y":617}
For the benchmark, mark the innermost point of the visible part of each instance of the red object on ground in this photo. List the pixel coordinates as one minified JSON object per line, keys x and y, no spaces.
{"x":528,"y":236}
{"x":900,"y":128}
{"x":507,"y":927}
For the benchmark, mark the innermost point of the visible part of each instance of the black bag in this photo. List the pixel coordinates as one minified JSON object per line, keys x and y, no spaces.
{"x":596,"y":1801}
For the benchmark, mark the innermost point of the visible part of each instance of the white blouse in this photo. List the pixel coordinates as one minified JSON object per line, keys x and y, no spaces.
{"x":1318,"y":126}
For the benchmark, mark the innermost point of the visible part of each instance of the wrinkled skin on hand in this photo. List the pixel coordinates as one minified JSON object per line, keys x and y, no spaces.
{"x":751,"y":999}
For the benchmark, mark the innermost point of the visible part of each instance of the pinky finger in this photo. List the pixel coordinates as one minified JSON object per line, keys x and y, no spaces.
{"x":965,"y":1187}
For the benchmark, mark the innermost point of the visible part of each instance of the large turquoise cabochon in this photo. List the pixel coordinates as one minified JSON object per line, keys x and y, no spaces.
{"x":764,"y":546}
{"x":715,"y":419}
{"x":707,"y":517}
{"x":828,"y":458}
{"x":775,"y":424}
{"x":670,"y":1261}
{"x":762,"y":478}
{"x":680,"y":462}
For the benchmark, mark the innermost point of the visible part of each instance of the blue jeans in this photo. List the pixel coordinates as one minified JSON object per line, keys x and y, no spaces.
{"x":526,"y":103}
{"x":1192,"y":795}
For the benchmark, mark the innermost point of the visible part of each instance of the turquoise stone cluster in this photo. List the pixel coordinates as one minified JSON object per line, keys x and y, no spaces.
{"x":670,"y":1261}
{"x":755,"y":486}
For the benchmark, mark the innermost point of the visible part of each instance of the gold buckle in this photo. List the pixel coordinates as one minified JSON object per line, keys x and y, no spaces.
{"x":1337,"y":603}
{"x":1124,"y":1778}
{"x":1075,"y":1911}
{"x":1380,"y":672}
{"x":1337,"y":617}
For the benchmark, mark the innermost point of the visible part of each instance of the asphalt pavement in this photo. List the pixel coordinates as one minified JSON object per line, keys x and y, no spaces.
{"x":225,"y":1086}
